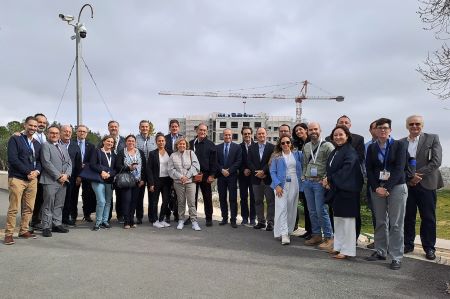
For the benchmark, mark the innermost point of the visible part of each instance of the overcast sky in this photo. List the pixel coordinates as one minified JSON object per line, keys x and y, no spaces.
{"x":365,"y":51}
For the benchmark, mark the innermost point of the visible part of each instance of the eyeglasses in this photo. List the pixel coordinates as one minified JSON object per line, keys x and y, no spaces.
{"x":414,"y":124}
{"x":285,"y":142}
{"x":247,"y":134}
{"x":383,"y":128}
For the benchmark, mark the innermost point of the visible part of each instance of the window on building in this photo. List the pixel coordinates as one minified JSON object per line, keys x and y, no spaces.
{"x":269,"y":138}
{"x":235,"y":136}
{"x":223,"y":124}
{"x":220,"y":136}
{"x":234,"y":124}
{"x":275,"y":129}
{"x":269,"y":128}
{"x":246,"y":124}
{"x":257,"y":124}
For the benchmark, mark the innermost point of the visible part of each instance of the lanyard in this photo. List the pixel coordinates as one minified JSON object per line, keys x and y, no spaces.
{"x":332,"y":158}
{"x":314,"y":156}
{"x":29,"y":144}
{"x":386,"y":154}
{"x":108,"y":159}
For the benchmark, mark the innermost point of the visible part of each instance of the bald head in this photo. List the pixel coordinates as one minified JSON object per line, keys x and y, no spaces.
{"x":314,"y":131}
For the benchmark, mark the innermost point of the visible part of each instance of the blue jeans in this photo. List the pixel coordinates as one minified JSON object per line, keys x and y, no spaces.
{"x":103,"y":193}
{"x":318,"y":210}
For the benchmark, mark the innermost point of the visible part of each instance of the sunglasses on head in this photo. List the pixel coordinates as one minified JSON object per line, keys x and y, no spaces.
{"x":285,"y":142}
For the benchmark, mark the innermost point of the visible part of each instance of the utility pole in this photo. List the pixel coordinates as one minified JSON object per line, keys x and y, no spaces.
{"x":80,"y":32}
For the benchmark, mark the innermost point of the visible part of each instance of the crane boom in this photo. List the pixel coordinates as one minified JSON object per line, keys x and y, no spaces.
{"x":298,"y":99}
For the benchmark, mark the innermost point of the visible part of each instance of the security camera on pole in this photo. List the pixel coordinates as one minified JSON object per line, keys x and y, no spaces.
{"x":80,"y":32}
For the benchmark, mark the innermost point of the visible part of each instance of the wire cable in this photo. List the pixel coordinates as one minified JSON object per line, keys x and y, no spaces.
{"x":65,"y":89}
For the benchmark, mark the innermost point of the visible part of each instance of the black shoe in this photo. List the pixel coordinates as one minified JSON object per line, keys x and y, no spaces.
{"x":395,"y":265}
{"x":252,"y":222}
{"x":120,"y":219}
{"x":304,"y":235}
{"x":87,"y":218}
{"x":375,"y":257}
{"x":139,"y":221}
{"x":208,"y":223}
{"x":308,"y":237}
{"x":60,"y":229}
{"x":269,"y":227}
{"x":233,"y":225}
{"x":36,"y":226}
{"x":46,"y":232}
{"x":71,"y":223}
{"x":105,"y":225}
{"x":408,"y":250}
{"x":430,"y":255}
{"x":188,"y":221}
{"x":223,"y":222}
{"x":95,"y":228}
{"x":260,"y":225}
{"x":244,"y":222}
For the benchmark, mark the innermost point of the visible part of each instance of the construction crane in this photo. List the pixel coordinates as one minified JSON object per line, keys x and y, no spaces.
{"x":298,"y":99}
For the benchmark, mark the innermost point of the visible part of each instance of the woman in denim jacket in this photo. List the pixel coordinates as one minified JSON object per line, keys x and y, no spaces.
{"x":285,"y":170}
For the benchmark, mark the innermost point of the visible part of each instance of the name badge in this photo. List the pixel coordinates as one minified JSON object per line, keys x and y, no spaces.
{"x":384,"y":175}
{"x":313,"y":171}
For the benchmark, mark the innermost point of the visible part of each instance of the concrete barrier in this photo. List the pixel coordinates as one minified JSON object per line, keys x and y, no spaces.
{"x":4,"y":180}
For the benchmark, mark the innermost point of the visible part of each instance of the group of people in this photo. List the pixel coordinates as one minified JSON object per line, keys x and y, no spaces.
{"x":327,"y":174}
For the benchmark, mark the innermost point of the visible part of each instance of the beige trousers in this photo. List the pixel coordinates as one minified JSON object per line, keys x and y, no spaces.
{"x":186,"y":193}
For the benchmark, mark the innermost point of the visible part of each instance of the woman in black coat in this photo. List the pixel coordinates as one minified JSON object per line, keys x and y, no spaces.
{"x":159,"y":181}
{"x":132,"y":160}
{"x":344,"y":183}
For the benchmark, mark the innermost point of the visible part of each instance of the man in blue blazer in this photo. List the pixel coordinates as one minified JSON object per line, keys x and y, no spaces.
{"x":70,"y":211}
{"x":258,"y":162}
{"x":229,"y":156}
{"x":24,"y":166}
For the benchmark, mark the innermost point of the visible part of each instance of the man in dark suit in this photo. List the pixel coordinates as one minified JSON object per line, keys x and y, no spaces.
{"x":245,"y":180}
{"x":88,"y":195}
{"x":113,"y":129}
{"x":24,"y":166}
{"x":174,"y":128}
{"x":206,"y":152}
{"x":425,"y":158}
{"x":56,"y":170}
{"x":229,"y":156}
{"x":258,"y":162}
{"x":70,"y":212}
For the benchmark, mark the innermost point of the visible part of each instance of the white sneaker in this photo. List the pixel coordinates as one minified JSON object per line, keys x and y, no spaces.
{"x":165,"y":224}
{"x":180,"y":224}
{"x":158,"y":224}
{"x":285,"y":240}
{"x":298,"y":232}
{"x":195,"y":226}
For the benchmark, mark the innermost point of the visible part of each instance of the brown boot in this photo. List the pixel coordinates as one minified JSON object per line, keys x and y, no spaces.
{"x":327,"y":245}
{"x":9,"y":240}
{"x":315,"y":240}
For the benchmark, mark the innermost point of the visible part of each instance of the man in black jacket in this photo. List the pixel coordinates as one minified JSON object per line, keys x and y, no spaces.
{"x":206,"y":153}
{"x":69,"y":214}
{"x":24,"y":166}
{"x":245,"y":181}
{"x":258,"y":162}
{"x":88,"y":195}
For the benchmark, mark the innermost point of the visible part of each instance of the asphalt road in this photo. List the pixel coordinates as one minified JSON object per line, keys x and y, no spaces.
{"x":218,"y":262}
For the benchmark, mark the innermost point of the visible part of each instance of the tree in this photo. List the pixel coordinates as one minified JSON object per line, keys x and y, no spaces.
{"x":436,"y":68}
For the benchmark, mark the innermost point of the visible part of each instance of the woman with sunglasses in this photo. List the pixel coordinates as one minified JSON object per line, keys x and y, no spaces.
{"x":285,"y":171}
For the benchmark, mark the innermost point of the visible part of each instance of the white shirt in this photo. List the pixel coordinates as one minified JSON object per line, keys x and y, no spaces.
{"x":412,"y":145}
{"x":163,"y":165}
{"x":40,"y":137}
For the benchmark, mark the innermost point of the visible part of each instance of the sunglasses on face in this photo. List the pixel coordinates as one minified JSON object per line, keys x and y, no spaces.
{"x":414,"y":124}
{"x":285,"y":142}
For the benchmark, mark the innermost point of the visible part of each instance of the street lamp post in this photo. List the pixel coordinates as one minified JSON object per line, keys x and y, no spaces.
{"x":80,"y":32}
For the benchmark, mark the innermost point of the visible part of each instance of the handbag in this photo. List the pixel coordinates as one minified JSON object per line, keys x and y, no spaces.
{"x":199,"y":176}
{"x":89,"y":174}
{"x":124,"y":179}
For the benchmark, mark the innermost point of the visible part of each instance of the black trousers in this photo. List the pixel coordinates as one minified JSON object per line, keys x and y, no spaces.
{"x":163,"y":188}
{"x":129,"y":197}
{"x":425,"y":201}
{"x":70,"y":203}
{"x":247,"y":208}
{"x":228,"y":185}
{"x":206,"y":189}
{"x":173,"y":205}
{"x":301,"y":196}
{"x":36,"y":218}
{"x":140,"y":203}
